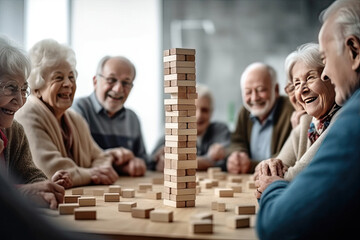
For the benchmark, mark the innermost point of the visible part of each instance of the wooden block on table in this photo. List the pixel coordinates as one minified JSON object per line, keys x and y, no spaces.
{"x":111,"y":197}
{"x":180,"y":198}
{"x":214,"y":205}
{"x":171,"y":203}
{"x":220,"y":175}
{"x":201,"y":226}
{"x":128,"y":193}
{"x":214,"y":182}
{"x":244,"y":209}
{"x":212,"y":170}
{"x":145,"y":186}
{"x":71,"y":198}
{"x":185,"y":191}
{"x":161,"y":215}
{"x":183,"y":179}
{"x":206,"y":184}
{"x":234,"y":186}
{"x":251,"y":184}
{"x":174,"y":58}
{"x":175,"y":172}
{"x":237,"y":222}
{"x":115,"y":189}
{"x":137,"y":212}
{"x":126,"y":206}
{"x":98,"y":192}
{"x":184,"y":51}
{"x":183,"y":131}
{"x":182,"y":70}
{"x":84,"y":214}
{"x":221,"y":207}
{"x":181,"y":150}
{"x":158,"y":180}
{"x":184,"y":164}
{"x":224,"y":192}
{"x":87,"y":201}
{"x":190,"y":203}
{"x":235,"y":179}
{"x":202,"y":216}
{"x":153,"y":195}
{"x":67,"y":208}
{"x":77,"y":191}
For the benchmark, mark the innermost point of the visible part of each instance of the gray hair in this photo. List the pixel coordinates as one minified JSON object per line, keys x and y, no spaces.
{"x":308,"y":53}
{"x":254,"y":65}
{"x":13,"y":60}
{"x":102,"y":62}
{"x":48,"y":53}
{"x":347,"y":19}
{"x":204,"y":91}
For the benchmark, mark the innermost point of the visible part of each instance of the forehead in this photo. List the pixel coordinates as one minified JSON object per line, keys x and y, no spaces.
{"x":257,"y":77}
{"x":20,"y":80}
{"x":326,"y":33}
{"x":117,"y":67}
{"x":63,"y":67}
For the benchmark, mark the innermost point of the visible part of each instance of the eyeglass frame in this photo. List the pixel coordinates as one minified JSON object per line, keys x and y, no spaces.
{"x":124,"y":84}
{"x":12,"y":92}
{"x":289,"y":88}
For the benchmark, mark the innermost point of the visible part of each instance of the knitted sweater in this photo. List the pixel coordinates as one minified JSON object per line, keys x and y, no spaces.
{"x":47,"y":145}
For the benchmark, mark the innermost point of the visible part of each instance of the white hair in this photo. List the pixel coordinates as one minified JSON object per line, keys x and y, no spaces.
{"x":48,"y":53}
{"x":204,"y":91}
{"x":308,"y":53}
{"x":103,"y":60}
{"x":255,"y":65}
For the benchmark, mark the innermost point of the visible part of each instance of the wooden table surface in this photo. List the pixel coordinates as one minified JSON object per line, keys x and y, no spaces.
{"x":120,"y":225}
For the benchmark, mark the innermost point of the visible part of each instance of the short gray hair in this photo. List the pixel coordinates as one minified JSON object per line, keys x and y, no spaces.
{"x":254,"y":65}
{"x":308,"y":53}
{"x":204,"y":91}
{"x":347,"y":19}
{"x":13,"y":60}
{"x":47,"y":53}
{"x":103,"y":60}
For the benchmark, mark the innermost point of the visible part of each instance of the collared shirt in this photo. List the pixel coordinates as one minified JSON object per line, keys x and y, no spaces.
{"x":260,"y":145}
{"x":120,"y":130}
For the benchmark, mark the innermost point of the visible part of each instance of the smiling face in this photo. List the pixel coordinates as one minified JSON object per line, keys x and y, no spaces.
{"x":59,"y":88}
{"x":259,"y":94}
{"x":203,"y":114}
{"x":112,"y":88}
{"x":9,"y":104}
{"x":316,"y":96}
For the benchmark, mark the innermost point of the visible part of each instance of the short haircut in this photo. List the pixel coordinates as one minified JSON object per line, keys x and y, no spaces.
{"x":48,"y":53}
{"x":307,"y":53}
{"x":254,"y":65}
{"x":13,"y":61}
{"x":347,"y":19}
{"x":204,"y":91}
{"x":103,"y":60}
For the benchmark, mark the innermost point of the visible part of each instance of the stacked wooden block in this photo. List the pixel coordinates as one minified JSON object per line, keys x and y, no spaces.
{"x":180,"y":128}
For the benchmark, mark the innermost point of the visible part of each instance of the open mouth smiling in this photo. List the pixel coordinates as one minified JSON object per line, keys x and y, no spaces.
{"x":309,"y":100}
{"x":8,"y":111}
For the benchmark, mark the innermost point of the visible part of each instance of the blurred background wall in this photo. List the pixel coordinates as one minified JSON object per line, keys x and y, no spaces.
{"x":227,"y":35}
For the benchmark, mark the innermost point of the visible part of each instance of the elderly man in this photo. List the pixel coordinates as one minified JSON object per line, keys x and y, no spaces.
{"x":263,"y":123}
{"x":321,"y":202}
{"x":113,"y":126}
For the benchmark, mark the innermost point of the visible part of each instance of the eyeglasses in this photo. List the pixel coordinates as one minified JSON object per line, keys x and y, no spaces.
{"x":112,"y":82}
{"x":11,"y":89}
{"x":289,"y":88}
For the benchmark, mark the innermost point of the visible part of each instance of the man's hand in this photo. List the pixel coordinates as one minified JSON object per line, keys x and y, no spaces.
{"x":104,"y":174}
{"x":45,"y":193}
{"x":62,"y":178}
{"x":216,"y":152}
{"x":121,"y":155}
{"x":263,"y":183}
{"x":238,"y":162}
{"x":135,"y":168}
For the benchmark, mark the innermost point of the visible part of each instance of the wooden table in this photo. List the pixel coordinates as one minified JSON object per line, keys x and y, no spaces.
{"x":120,"y":225}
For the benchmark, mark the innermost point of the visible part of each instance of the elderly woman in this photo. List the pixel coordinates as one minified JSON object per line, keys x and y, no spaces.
{"x":304,"y":68}
{"x":15,"y":155}
{"x":60,"y":138}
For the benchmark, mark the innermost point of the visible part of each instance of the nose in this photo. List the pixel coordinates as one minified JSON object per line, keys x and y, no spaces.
{"x":254,"y":95}
{"x":118,"y":87}
{"x":19,"y":98}
{"x":324,"y":77}
{"x":68,"y":83}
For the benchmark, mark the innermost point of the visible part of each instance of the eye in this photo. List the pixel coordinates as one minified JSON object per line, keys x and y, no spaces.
{"x":111,"y":80}
{"x":59,"y":78}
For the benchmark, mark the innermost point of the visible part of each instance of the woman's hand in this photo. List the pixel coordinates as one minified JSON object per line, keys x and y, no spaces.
{"x":62,"y":178}
{"x":263,"y":183}
{"x":104,"y":174}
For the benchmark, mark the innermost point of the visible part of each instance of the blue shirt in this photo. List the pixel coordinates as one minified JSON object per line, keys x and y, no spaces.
{"x":261,"y":134}
{"x":322,"y":202}
{"x":121,"y":130}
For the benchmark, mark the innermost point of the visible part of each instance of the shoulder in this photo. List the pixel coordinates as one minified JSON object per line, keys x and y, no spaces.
{"x":218,"y":126}
{"x":76,"y":118}
{"x":285,"y":104}
{"x":131,"y":115}
{"x":82,"y":104}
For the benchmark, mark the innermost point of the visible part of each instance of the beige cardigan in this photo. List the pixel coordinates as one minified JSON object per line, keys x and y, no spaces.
{"x":297,"y":152}
{"x":47,"y":146}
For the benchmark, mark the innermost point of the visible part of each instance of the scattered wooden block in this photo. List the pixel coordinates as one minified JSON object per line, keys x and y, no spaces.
{"x":219,"y":175}
{"x":237,"y":222}
{"x":214,"y":206}
{"x":126,"y":206}
{"x":71,"y":198}
{"x":251,"y":184}
{"x":115,"y":189}
{"x":153,"y":195}
{"x":235,"y":179}
{"x":170,"y":203}
{"x":201,"y":226}
{"x":159,"y":180}
{"x":202,"y":216}
{"x":137,"y":212}
{"x":212,"y":170}
{"x":144,"y":187}
{"x":67,"y":208}
{"x":84,"y":214}
{"x":245,"y":209}
{"x":221,"y":207}
{"x":128,"y":193}
{"x":98,"y":192}
{"x":224,"y":192}
{"x":206,"y":184}
{"x":77,"y":191}
{"x":235,"y":186}
{"x":111,"y":197}
{"x":87,"y":201}
{"x":161,"y":215}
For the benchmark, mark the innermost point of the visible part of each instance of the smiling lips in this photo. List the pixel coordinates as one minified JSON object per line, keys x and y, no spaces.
{"x":309,"y":100}
{"x":8,"y":111}
{"x":64,"y":95}
{"x":115,"y":98}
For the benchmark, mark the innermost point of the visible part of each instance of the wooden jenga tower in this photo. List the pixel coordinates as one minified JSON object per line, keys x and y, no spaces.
{"x":180,"y":128}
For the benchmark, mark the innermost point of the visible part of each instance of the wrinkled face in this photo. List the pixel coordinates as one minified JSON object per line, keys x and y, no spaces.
{"x":113,"y":86}
{"x":316,"y":96}
{"x":59,"y":88}
{"x":258,"y":93}
{"x":338,"y":64}
{"x":290,"y":91}
{"x":203,"y":114}
{"x":12,"y":97}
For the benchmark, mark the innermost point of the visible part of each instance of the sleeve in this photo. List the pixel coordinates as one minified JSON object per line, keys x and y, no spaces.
{"x":140,"y":150}
{"x":240,"y":138}
{"x":287,"y":153}
{"x":320,"y":199}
